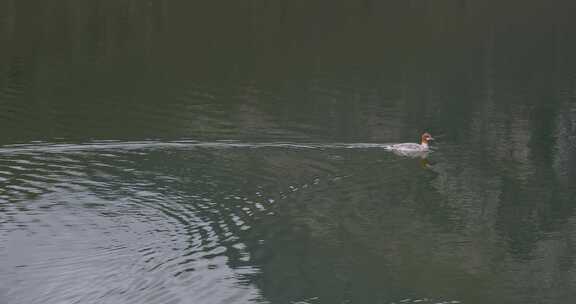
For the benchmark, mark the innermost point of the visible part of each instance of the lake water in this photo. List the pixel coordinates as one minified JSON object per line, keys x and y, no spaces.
{"x":209,"y":152}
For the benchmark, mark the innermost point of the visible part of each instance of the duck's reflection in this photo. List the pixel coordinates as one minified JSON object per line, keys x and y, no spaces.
{"x":411,"y":153}
{"x":421,"y":155}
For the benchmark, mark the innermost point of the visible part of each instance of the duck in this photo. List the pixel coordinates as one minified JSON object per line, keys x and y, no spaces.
{"x":413,"y":147}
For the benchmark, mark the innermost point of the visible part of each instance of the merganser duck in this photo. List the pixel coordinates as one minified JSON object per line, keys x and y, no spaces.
{"x":412,"y":147}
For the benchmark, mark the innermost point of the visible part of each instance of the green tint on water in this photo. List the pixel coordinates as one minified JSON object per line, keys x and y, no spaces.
{"x":194,"y":152}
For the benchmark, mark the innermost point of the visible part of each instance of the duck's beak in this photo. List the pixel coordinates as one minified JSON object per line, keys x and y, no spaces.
{"x":430,"y":138}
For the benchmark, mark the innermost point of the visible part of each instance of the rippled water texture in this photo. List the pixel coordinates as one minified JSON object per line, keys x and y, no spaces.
{"x":163,"y":152}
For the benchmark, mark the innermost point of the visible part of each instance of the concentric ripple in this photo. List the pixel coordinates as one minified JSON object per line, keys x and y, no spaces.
{"x":149,"y":222}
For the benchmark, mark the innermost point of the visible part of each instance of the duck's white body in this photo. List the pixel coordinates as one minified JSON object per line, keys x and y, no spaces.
{"x":410,"y":147}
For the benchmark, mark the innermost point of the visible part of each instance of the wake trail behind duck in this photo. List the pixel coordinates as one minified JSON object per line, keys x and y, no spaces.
{"x":46,"y":147}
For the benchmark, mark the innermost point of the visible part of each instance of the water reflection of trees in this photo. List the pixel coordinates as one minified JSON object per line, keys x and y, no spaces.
{"x":497,"y":81}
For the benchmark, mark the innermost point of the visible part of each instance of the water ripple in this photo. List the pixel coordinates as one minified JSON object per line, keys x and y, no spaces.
{"x":115,"y":225}
{"x":162,"y":221}
{"x":178,"y":144}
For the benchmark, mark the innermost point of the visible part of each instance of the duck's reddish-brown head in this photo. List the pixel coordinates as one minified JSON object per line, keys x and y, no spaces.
{"x":426,"y":137}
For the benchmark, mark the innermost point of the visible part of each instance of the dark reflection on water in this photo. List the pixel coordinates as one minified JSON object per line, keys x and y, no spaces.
{"x":188,"y":152}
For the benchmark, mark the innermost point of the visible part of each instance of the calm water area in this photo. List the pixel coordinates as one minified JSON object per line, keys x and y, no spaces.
{"x":164,"y":152}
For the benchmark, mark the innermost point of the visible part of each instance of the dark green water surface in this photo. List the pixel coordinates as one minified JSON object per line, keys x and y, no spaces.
{"x":234,"y":152}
